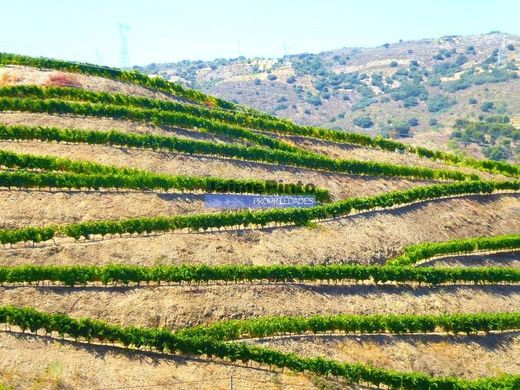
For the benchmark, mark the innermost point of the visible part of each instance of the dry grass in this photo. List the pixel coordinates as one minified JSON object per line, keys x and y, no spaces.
{"x":60,"y":79}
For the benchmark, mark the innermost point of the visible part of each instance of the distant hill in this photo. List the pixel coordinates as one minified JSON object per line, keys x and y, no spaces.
{"x":414,"y":90}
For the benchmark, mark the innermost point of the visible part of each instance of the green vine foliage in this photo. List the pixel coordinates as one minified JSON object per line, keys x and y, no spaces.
{"x":297,"y":216}
{"x":262,"y":122}
{"x":423,"y":251}
{"x":272,"y":156}
{"x":128,"y":274}
{"x":131,"y":77}
{"x":148,"y":181}
{"x":210,"y":342}
{"x":155,"y":116}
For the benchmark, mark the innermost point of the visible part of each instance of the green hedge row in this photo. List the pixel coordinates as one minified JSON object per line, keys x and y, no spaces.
{"x":133,"y":77}
{"x":260,"y":120}
{"x":126,"y":274}
{"x":351,"y":323}
{"x":155,"y":116}
{"x":24,"y":179}
{"x":415,"y":253}
{"x":78,"y":94}
{"x":164,"y":340}
{"x":298,"y":216}
{"x":86,"y":174}
{"x":273,"y":156}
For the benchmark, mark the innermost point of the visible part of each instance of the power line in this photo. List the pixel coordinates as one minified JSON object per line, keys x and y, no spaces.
{"x":124,"y":60}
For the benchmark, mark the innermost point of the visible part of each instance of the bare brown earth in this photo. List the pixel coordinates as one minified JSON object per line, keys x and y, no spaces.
{"x":483,"y":355}
{"x":37,"y":363}
{"x":180,"y":306}
{"x":507,"y":259}
{"x":31,"y":207}
{"x":365,"y":238}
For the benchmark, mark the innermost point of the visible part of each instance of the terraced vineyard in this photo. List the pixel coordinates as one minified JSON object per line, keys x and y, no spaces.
{"x":114,"y":275}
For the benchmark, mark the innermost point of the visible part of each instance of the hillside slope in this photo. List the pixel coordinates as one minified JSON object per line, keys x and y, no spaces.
{"x":105,"y":234}
{"x":413,"y":90}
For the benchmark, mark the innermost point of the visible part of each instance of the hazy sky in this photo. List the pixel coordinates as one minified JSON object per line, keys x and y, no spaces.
{"x":171,"y":30}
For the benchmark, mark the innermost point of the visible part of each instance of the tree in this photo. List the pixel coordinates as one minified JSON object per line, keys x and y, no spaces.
{"x":473,"y":101}
{"x":271,"y":77}
{"x":258,"y":81}
{"x":510,"y":47}
{"x":363,"y":121}
{"x":433,"y":122}
{"x":393,"y":64}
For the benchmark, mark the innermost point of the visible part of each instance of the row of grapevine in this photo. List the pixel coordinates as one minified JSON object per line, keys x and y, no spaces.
{"x":126,"y":274}
{"x":297,"y":216}
{"x":415,"y":253}
{"x":133,"y":77}
{"x":273,"y":156}
{"x":164,"y":340}
{"x":66,"y":180}
{"x":155,"y":116}
{"x":352,"y":323}
{"x":252,"y":121}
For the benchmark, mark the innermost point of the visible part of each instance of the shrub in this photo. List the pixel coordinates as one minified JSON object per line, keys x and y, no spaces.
{"x":271,"y":77}
{"x":410,"y":102}
{"x":393,"y":64}
{"x":402,"y":129}
{"x":433,"y":122}
{"x":487,"y":106}
{"x":413,"y":122}
{"x":291,"y":79}
{"x":473,"y":101}
{"x":258,"y":81}
{"x":314,"y":100}
{"x":439,"y":102}
{"x":510,"y":47}
{"x":363,"y":121}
